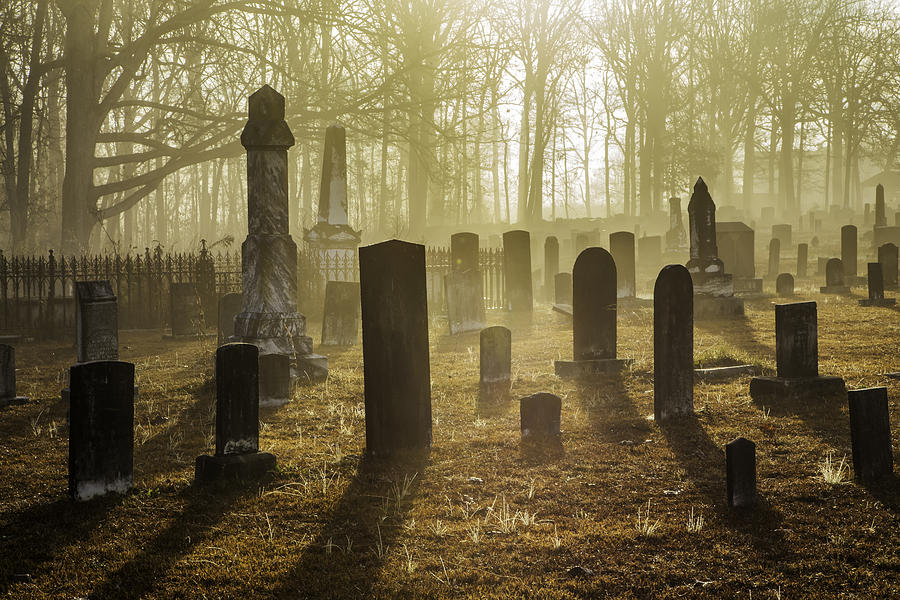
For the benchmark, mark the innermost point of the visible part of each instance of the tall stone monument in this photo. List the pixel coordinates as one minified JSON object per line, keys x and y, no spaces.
{"x":269,"y":318}
{"x":880,"y":215}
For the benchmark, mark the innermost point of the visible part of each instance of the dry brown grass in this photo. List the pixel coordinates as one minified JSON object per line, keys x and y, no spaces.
{"x":329,"y":525}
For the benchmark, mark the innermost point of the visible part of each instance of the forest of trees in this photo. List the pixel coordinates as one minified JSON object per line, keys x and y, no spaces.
{"x":121,"y":118}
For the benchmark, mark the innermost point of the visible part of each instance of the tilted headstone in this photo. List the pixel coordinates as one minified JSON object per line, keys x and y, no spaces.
{"x":887,"y":256}
{"x":101,"y":428}
{"x":740,"y":468}
{"x":396,"y":366}
{"x":186,"y":314}
{"x":870,"y":434}
{"x":676,"y":237}
{"x":539,"y":416}
{"x":495,"y":365}
{"x":340,"y":319}
{"x":517,"y":270}
{"x":802,"y":260}
{"x":774,"y":257}
{"x":274,"y":379}
{"x":237,"y":453}
{"x":8,"y":377}
{"x":229,"y":306}
{"x":551,"y":263}
{"x":96,"y":321}
{"x":848,"y":253}
{"x":650,"y":252}
{"x":880,"y":215}
{"x":621,"y":247}
{"x":673,"y":343}
{"x":562,"y":284}
{"x":782,"y":233}
{"x":463,"y":251}
{"x":876,"y":288}
{"x":784,"y":285}
{"x":835,"y":280}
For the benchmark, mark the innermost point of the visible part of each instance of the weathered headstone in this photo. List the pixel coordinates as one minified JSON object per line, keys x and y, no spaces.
{"x":887,"y":256}
{"x":465,"y":300}
{"x":229,"y":306}
{"x":802,"y":260}
{"x":463,"y":251}
{"x":774,"y":257}
{"x":495,"y":364}
{"x":740,"y":469}
{"x":870,"y":434}
{"x":784,"y":285}
{"x":673,"y":343}
{"x":237,"y":453}
{"x":876,"y":288}
{"x":562,"y":284}
{"x":274,"y":379}
{"x":186,"y":314}
{"x":880,"y":215}
{"x":396,"y":367}
{"x":8,"y":377}
{"x":621,"y":247}
{"x":340,"y":319}
{"x":517,"y":270}
{"x":835,"y":282}
{"x":849,"y":253}
{"x":96,"y":321}
{"x":539,"y":416}
{"x":101,"y":428}
{"x":676,"y":238}
{"x":594,"y":317}
{"x":796,"y":356}
{"x":551,"y":264}
{"x":736,"y":246}
{"x":782,"y":233}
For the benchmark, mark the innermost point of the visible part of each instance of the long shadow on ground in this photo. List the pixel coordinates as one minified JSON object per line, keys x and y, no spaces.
{"x":736,"y":331}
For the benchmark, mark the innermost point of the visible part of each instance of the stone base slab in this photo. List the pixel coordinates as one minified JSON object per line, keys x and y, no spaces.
{"x":880,"y":302}
{"x":781,"y":387}
{"x":718,"y":373}
{"x":577,"y":369}
{"x":834,"y":289}
{"x":13,"y":400}
{"x":229,"y":467}
{"x":312,"y":368}
{"x":717,"y":307}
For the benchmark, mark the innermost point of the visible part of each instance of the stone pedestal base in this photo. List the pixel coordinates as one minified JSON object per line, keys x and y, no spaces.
{"x":13,"y":400}
{"x":801,"y":387}
{"x":577,"y":369}
{"x":717,"y":307}
{"x":834,"y":289}
{"x":274,"y":332}
{"x":228,"y":467}
{"x":712,"y":284}
{"x":719,"y":373}
{"x":879,"y":302}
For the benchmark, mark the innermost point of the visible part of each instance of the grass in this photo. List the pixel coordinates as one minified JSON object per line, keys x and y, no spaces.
{"x":478,"y":516}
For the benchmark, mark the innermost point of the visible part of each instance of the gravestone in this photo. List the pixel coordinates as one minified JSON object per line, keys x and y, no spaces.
{"x":562,"y":284}
{"x":269,"y":318}
{"x":539,"y":416}
{"x":101,"y":428}
{"x":870,"y":434}
{"x":593,"y":317}
{"x":237,"y":453}
{"x":650,"y":252}
{"x":229,"y":306}
{"x":880,"y":215}
{"x":796,"y":356}
{"x":274,"y":379}
{"x":784,"y":285}
{"x":340,"y":319}
{"x":551,"y":264}
{"x":464,"y":285}
{"x":802,"y":260}
{"x":495,"y":364}
{"x":782,"y":233}
{"x":740,"y":469}
{"x":186,"y":313}
{"x":463,"y":251}
{"x":676,"y":238}
{"x":834,"y":278}
{"x":887,"y":256}
{"x":8,"y":377}
{"x":736,"y":247}
{"x":876,"y":288}
{"x":517,"y":270}
{"x":621,"y":247}
{"x":849,"y":254}
{"x":774,"y":257}
{"x":673,"y":343}
{"x":396,"y":368}
{"x":96,"y":321}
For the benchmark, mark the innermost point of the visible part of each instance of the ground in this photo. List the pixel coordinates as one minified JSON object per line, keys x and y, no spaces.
{"x":479,"y":516}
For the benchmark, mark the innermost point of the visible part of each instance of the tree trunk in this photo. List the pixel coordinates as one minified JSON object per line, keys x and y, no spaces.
{"x":524,"y":145}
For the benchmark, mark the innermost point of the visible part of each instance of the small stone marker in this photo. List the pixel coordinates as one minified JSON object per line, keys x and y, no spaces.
{"x":870,"y":433}
{"x":340,"y":319}
{"x":774,"y":257}
{"x":539,"y":416}
{"x":784,"y":285}
{"x":880,"y":215}
{"x":274,"y":379}
{"x":396,"y":367}
{"x":621,"y":247}
{"x":517,"y":269}
{"x":237,"y":418}
{"x":673,"y":343}
{"x":186,"y":314}
{"x":101,"y":428}
{"x":887,"y":256}
{"x":740,"y":468}
{"x":96,"y":321}
{"x":495,"y":365}
{"x":562,"y":284}
{"x":551,"y":263}
{"x":8,"y":377}
{"x":848,"y":253}
{"x":835,"y":281}
{"x":876,"y":288}
{"x":802,"y":260}
{"x":594,"y":317}
{"x":229,"y":306}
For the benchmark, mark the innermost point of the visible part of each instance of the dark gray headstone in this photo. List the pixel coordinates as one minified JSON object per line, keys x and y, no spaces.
{"x":802,"y":260}
{"x":594,"y":305}
{"x":186,"y":314}
{"x":274,"y":379}
{"x":495,"y":365}
{"x":396,"y":366}
{"x":870,"y":433}
{"x":551,"y":263}
{"x":876,"y":281}
{"x":539,"y":415}
{"x":463,"y":251}
{"x":673,"y":343}
{"x":517,"y":270}
{"x":465,"y":300}
{"x":229,"y":306}
{"x":784,"y":285}
{"x":8,"y":376}
{"x":880,"y":215}
{"x":562,"y":284}
{"x":340,"y":319}
{"x":740,"y":468}
{"x":237,"y":399}
{"x":887,"y":256}
{"x":848,"y":251}
{"x":796,"y":340}
{"x":96,"y":321}
{"x":774,"y":257}
{"x":621,"y":247}
{"x":101,"y":428}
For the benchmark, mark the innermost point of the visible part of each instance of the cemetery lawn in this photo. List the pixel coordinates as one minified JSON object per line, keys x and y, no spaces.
{"x":479,"y":517}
